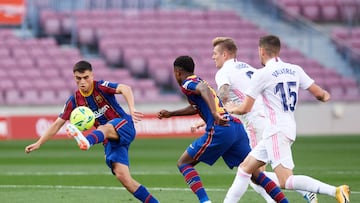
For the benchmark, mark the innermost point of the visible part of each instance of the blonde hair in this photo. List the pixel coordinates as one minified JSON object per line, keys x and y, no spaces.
{"x":225,"y":43}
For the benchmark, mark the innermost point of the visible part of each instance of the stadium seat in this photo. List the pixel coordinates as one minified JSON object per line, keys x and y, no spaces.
{"x":329,"y":10}
{"x":291,"y":6}
{"x":348,"y":9}
{"x":13,"y":97}
{"x":352,"y":94}
{"x":310,"y":9}
{"x":6,"y":84}
{"x":112,"y":55}
{"x":4,"y":51}
{"x":50,"y":22}
{"x":49,"y":97}
{"x":30,"y":97}
{"x":138,"y":66}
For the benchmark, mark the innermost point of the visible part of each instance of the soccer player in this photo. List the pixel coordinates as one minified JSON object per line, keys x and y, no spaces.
{"x":225,"y":136}
{"x":233,"y":79}
{"x":115,"y":128}
{"x":278,"y":82}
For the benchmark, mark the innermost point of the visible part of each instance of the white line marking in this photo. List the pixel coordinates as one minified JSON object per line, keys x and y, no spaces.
{"x":61,"y":173}
{"x":117,"y":188}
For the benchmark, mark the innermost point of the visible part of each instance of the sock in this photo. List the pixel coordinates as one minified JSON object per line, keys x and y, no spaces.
{"x":95,"y":137}
{"x":306,"y":183}
{"x":143,"y":195}
{"x":271,"y":188}
{"x":192,"y":178}
{"x":261,"y":191}
{"x":238,"y":187}
{"x":273,"y":177}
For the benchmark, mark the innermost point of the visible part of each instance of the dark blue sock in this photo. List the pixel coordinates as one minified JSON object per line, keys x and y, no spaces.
{"x":271,"y":188}
{"x":143,"y":195}
{"x":95,"y":137}
{"x":192,"y":178}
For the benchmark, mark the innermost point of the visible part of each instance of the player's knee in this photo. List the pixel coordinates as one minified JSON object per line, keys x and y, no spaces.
{"x":109,"y":131}
{"x":124,"y":178}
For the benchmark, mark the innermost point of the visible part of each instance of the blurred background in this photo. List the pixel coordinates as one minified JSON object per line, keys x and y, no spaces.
{"x":135,"y":42}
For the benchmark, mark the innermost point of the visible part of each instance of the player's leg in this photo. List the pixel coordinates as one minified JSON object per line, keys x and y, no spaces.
{"x":306,"y":183}
{"x":139,"y":191}
{"x":117,"y":158}
{"x":240,"y":150}
{"x":107,"y":131}
{"x":254,"y":129}
{"x":309,"y":197}
{"x":186,"y":166}
{"x":207,"y":149}
{"x":283,"y":165}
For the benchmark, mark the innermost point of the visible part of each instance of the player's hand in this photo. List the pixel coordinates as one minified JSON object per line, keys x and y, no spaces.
{"x":231,"y":107}
{"x":196,"y":126}
{"x":137,"y":116}
{"x":221,"y":120}
{"x":31,"y":148}
{"x":163,"y":114}
{"x":193,"y":128}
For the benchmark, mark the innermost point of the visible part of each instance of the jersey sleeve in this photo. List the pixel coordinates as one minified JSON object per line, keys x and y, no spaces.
{"x":190,"y":85}
{"x":221,"y":79}
{"x":305,"y":80}
{"x":257,"y":84}
{"x":68,"y":107}
{"x":107,"y":87}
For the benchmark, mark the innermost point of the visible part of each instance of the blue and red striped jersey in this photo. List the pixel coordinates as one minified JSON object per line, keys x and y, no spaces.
{"x":188,"y":88}
{"x":101,"y":101}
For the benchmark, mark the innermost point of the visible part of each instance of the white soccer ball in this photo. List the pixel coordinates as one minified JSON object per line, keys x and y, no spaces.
{"x":82,"y":117}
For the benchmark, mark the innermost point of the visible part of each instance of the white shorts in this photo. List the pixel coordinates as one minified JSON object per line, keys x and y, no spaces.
{"x":274,"y":150}
{"x":255,"y":128}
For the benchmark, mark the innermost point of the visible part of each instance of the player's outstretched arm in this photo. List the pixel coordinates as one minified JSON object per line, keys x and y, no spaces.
{"x":189,"y":110}
{"x":51,"y":131}
{"x":242,"y":108}
{"x":319,"y":93}
{"x":128,"y":95}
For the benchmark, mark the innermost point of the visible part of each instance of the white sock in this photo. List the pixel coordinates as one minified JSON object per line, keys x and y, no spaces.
{"x":238,"y":187}
{"x":306,"y":183}
{"x":273,"y":177}
{"x":262,"y":192}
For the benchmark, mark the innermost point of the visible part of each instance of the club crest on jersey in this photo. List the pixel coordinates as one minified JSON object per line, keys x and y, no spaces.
{"x":99,"y":99}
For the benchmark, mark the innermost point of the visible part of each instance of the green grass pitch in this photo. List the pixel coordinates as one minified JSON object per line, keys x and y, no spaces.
{"x":61,"y":173}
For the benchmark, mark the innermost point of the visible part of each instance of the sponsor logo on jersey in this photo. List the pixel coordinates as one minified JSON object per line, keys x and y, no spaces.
{"x":101,"y":111}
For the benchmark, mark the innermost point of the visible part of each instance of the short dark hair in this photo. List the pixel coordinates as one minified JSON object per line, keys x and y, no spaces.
{"x":271,"y":44}
{"x":186,"y":63}
{"x":82,"y":66}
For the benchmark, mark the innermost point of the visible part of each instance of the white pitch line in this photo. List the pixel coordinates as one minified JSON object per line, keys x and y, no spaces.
{"x":62,"y":173}
{"x":117,"y":188}
{"x":107,"y":172}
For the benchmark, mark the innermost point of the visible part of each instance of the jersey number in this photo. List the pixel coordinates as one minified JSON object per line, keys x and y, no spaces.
{"x":289,"y":102}
{"x":249,"y":74}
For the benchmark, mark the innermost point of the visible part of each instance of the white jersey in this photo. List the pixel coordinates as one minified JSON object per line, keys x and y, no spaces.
{"x":238,"y":75}
{"x":279,"y":82}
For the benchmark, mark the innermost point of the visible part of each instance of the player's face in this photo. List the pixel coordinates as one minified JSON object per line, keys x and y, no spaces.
{"x":84,"y":81}
{"x":177,"y":75}
{"x":218,"y":56}
{"x":261,"y":55}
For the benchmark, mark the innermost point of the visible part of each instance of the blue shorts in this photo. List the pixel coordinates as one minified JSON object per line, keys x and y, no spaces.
{"x":229,"y":142}
{"x":116,"y":151}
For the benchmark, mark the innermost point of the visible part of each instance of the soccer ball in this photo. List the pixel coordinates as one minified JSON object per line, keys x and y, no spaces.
{"x":82,"y":117}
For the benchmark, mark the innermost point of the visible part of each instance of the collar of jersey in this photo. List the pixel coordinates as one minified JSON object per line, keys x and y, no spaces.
{"x":90,"y":92}
{"x":229,"y":61}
